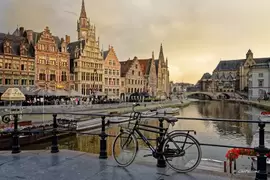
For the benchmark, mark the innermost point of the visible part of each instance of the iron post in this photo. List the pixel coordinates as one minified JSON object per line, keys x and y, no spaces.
{"x":15,"y":138}
{"x":261,"y":173}
{"x":54,"y":147}
{"x":103,"y":140}
{"x":160,"y":160}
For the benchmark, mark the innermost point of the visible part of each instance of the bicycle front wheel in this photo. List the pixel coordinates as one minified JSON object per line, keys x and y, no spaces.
{"x":125,"y":147}
{"x":182,"y":152}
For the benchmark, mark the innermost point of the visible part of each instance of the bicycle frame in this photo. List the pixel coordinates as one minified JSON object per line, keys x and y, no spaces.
{"x":145,"y":140}
{"x":158,"y":130}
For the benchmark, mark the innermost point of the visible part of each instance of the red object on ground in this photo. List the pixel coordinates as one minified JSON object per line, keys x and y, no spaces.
{"x":22,"y":123}
{"x":234,"y":153}
{"x":265,"y":113}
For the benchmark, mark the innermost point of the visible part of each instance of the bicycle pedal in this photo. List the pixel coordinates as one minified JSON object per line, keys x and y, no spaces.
{"x":147,"y":155}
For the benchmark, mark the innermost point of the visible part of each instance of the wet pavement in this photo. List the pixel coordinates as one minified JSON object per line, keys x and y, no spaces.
{"x":74,"y":165}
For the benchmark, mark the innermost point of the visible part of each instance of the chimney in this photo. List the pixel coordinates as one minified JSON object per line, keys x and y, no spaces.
{"x":67,"y":39}
{"x":21,"y":31}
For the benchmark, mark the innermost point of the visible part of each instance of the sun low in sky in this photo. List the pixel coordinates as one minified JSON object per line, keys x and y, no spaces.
{"x":195,"y":34}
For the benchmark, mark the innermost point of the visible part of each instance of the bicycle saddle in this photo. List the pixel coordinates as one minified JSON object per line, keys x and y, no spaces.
{"x":171,"y":119}
{"x":136,"y":104}
{"x":152,"y":110}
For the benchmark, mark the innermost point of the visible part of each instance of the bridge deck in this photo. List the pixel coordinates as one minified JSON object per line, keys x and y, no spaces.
{"x":70,"y":165}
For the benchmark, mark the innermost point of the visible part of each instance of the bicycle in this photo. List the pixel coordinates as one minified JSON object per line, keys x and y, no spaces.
{"x":164,"y":143}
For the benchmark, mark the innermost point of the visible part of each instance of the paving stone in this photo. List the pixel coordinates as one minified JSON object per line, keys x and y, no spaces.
{"x":74,"y":165}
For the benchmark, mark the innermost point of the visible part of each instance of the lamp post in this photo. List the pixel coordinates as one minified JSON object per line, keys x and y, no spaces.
{"x":45,"y":89}
{"x":95,"y":76}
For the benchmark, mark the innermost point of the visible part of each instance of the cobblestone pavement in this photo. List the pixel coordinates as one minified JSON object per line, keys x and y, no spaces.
{"x":72,"y":165}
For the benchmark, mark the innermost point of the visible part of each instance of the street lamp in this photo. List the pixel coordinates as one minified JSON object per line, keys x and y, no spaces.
{"x":95,"y":77}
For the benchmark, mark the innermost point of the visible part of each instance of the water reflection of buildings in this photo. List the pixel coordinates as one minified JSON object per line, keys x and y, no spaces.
{"x":228,"y":110}
{"x":91,"y":143}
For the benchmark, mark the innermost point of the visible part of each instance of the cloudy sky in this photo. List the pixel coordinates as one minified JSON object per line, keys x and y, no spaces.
{"x":195,"y":34}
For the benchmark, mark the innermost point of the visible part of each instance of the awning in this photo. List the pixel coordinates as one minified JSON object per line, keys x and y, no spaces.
{"x":13,"y":94}
{"x":98,"y":93}
{"x":43,"y":92}
{"x":144,"y":94}
{"x":111,"y":95}
{"x":61,"y":92}
{"x":27,"y":92}
{"x":74,"y":93}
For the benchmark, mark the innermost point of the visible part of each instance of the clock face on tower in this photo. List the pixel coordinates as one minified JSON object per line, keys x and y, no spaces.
{"x":84,"y":34}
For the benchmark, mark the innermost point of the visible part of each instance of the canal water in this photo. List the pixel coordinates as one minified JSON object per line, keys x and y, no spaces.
{"x":225,"y":133}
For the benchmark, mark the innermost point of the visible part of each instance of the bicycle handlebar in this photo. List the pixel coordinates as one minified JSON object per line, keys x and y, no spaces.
{"x":135,"y":114}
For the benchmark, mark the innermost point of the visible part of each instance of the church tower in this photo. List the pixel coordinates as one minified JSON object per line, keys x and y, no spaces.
{"x":161,"y":56}
{"x":90,"y":78}
{"x":83,"y":24}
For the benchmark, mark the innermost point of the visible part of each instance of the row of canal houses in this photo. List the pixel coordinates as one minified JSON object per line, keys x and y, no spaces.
{"x":42,"y":60}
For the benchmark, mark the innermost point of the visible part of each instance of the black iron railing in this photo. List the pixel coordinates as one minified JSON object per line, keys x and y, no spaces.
{"x":61,"y":125}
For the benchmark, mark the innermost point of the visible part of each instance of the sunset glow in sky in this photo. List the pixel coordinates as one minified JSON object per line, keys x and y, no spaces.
{"x":195,"y":34}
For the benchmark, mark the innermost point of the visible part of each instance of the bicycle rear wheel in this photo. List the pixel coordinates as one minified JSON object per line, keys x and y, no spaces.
{"x":125,"y":147}
{"x":176,"y":158}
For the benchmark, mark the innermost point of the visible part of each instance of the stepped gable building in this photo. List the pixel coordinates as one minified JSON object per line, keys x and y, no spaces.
{"x":112,"y":75}
{"x":51,"y":58}
{"x":163,"y":74}
{"x":85,"y":58}
{"x":16,"y":60}
{"x":132,"y":78}
{"x":233,"y":75}
{"x":148,"y":68}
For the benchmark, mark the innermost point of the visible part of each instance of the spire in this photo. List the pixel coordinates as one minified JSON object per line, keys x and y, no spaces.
{"x":161,"y":56}
{"x":83,"y":12}
{"x":161,"y":48}
{"x":249,"y":53}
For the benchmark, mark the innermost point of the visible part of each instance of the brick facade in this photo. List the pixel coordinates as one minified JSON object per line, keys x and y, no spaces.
{"x":112,"y":69}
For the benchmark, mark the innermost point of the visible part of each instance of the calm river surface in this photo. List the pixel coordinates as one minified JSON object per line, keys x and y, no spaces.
{"x":238,"y":133}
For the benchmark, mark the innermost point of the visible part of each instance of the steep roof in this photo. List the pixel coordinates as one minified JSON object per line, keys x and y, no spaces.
{"x":156,"y":64}
{"x":145,"y":65}
{"x":125,"y":66}
{"x":73,"y":46}
{"x":35,"y":35}
{"x":105,"y":54}
{"x":15,"y":42}
{"x":229,"y":65}
{"x":233,"y":65}
{"x":206,"y":76}
{"x":262,"y":60}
